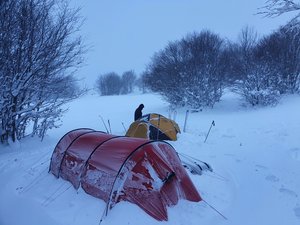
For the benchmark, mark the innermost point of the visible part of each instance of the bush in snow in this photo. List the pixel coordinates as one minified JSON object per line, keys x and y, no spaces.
{"x":271,"y":66}
{"x":38,"y":51}
{"x":112,"y":84}
{"x":127,"y":82}
{"x":141,"y":84}
{"x":255,"y":88}
{"x":188,"y":72}
{"x":109,"y":84}
{"x":281,"y":52}
{"x":193,"y":71}
{"x":257,"y":80}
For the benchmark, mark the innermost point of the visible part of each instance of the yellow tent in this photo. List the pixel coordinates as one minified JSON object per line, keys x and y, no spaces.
{"x":155,"y":127}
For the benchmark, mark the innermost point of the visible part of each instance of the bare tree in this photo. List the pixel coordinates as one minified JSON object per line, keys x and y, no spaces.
{"x":255,"y":83}
{"x":247,"y":42}
{"x":187,"y":72}
{"x":271,"y":66}
{"x":274,"y":8}
{"x":140,"y":82}
{"x":109,"y":84}
{"x":39,"y":51}
{"x":128,"y":80}
{"x":281,"y":52}
{"x":256,"y":86}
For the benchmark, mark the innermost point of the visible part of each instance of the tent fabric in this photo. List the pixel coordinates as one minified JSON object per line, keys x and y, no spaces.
{"x":113,"y":168}
{"x":62,"y":146}
{"x":154,"y":127}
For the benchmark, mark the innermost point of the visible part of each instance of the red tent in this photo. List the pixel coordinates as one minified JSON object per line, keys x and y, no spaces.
{"x":146,"y":173}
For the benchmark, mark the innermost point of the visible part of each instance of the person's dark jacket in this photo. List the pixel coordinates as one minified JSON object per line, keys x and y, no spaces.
{"x":138,"y":112}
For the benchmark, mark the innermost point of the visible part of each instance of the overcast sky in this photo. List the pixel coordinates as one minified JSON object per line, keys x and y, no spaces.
{"x":124,"y":34}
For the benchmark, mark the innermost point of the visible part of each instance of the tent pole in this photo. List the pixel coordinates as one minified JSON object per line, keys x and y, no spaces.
{"x":104,"y":124}
{"x":124,"y":127}
{"x":158,"y":127}
{"x":109,"y":126}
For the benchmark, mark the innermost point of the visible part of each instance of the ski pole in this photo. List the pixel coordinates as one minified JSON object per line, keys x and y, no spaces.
{"x":185,"y":120}
{"x":212,"y":124}
{"x":175,"y":114}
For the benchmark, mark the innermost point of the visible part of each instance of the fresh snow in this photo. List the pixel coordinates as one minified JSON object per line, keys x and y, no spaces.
{"x":254,"y":153}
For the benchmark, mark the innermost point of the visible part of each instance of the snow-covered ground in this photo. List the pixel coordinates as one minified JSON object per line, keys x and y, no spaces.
{"x":255,"y":154}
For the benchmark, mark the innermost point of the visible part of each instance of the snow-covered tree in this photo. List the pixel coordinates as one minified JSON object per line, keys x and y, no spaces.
{"x":128,"y":81}
{"x":140,"y":82}
{"x":256,"y":82}
{"x":39,"y":50}
{"x":165,"y":73}
{"x":256,"y":86}
{"x":187,"y":72}
{"x":113,"y":84}
{"x":271,"y":66}
{"x":109,"y":84}
{"x":274,"y":8}
{"x":281,"y":52}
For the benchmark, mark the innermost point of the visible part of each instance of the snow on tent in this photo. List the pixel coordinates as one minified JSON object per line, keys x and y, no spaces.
{"x":117,"y":168}
{"x":154,"y":127}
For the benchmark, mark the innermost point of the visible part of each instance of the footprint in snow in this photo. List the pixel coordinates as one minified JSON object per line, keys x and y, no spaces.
{"x":295,"y":153}
{"x":232,"y":156}
{"x":261,"y":167}
{"x":288,"y":192}
{"x":297,"y":212}
{"x":272,"y":178}
{"x":228,"y":136}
